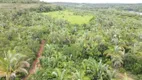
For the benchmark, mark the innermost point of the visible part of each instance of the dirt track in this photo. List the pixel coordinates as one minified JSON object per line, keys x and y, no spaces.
{"x":36,"y":63}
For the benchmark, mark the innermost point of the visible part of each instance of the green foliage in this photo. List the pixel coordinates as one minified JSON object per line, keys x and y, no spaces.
{"x":90,"y":69}
{"x":133,"y":63}
{"x":47,"y":8}
{"x":12,"y":63}
{"x":86,"y":44}
{"x":70,"y":16}
{"x":100,"y":71}
{"x":19,"y":1}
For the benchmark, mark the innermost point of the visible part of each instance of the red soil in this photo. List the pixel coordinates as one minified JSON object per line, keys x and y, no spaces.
{"x":36,"y":63}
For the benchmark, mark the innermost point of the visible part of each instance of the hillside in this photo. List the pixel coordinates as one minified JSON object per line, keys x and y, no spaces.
{"x":67,"y":41}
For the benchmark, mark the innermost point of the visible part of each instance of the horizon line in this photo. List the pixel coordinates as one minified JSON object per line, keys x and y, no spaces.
{"x":91,"y":2}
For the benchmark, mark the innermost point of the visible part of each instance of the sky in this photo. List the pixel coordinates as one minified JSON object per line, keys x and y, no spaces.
{"x":96,"y":1}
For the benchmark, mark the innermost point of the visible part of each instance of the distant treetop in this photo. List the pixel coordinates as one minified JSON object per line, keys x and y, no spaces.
{"x":19,"y":1}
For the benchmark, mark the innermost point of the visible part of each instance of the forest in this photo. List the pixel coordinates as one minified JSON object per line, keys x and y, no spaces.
{"x":70,"y":41}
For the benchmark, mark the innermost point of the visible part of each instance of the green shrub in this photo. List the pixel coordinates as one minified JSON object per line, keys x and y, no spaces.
{"x":133,"y":63}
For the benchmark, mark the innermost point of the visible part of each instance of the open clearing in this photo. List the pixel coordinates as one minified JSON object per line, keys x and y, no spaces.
{"x":71,"y":17}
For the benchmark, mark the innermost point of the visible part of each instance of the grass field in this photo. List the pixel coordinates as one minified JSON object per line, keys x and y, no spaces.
{"x":70,"y":17}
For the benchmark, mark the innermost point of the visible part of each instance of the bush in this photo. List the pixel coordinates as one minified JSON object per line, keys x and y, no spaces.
{"x":133,"y":63}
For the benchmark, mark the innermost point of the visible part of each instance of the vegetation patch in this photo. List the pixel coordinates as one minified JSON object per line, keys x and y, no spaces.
{"x":80,"y":41}
{"x":71,"y":17}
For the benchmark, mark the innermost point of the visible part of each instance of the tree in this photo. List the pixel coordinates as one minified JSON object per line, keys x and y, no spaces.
{"x":116,"y":54}
{"x":99,"y":70}
{"x":19,"y":1}
{"x":11,"y":64}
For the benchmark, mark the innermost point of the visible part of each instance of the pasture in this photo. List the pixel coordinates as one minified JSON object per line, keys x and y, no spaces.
{"x":71,"y":17}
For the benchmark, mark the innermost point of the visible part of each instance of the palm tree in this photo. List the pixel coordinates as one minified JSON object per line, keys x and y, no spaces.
{"x":116,"y":54}
{"x":80,"y":75}
{"x":59,"y":73}
{"x":99,"y":70}
{"x":11,"y":64}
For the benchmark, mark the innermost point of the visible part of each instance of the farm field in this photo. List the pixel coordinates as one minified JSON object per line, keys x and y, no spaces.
{"x":71,"y":17}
